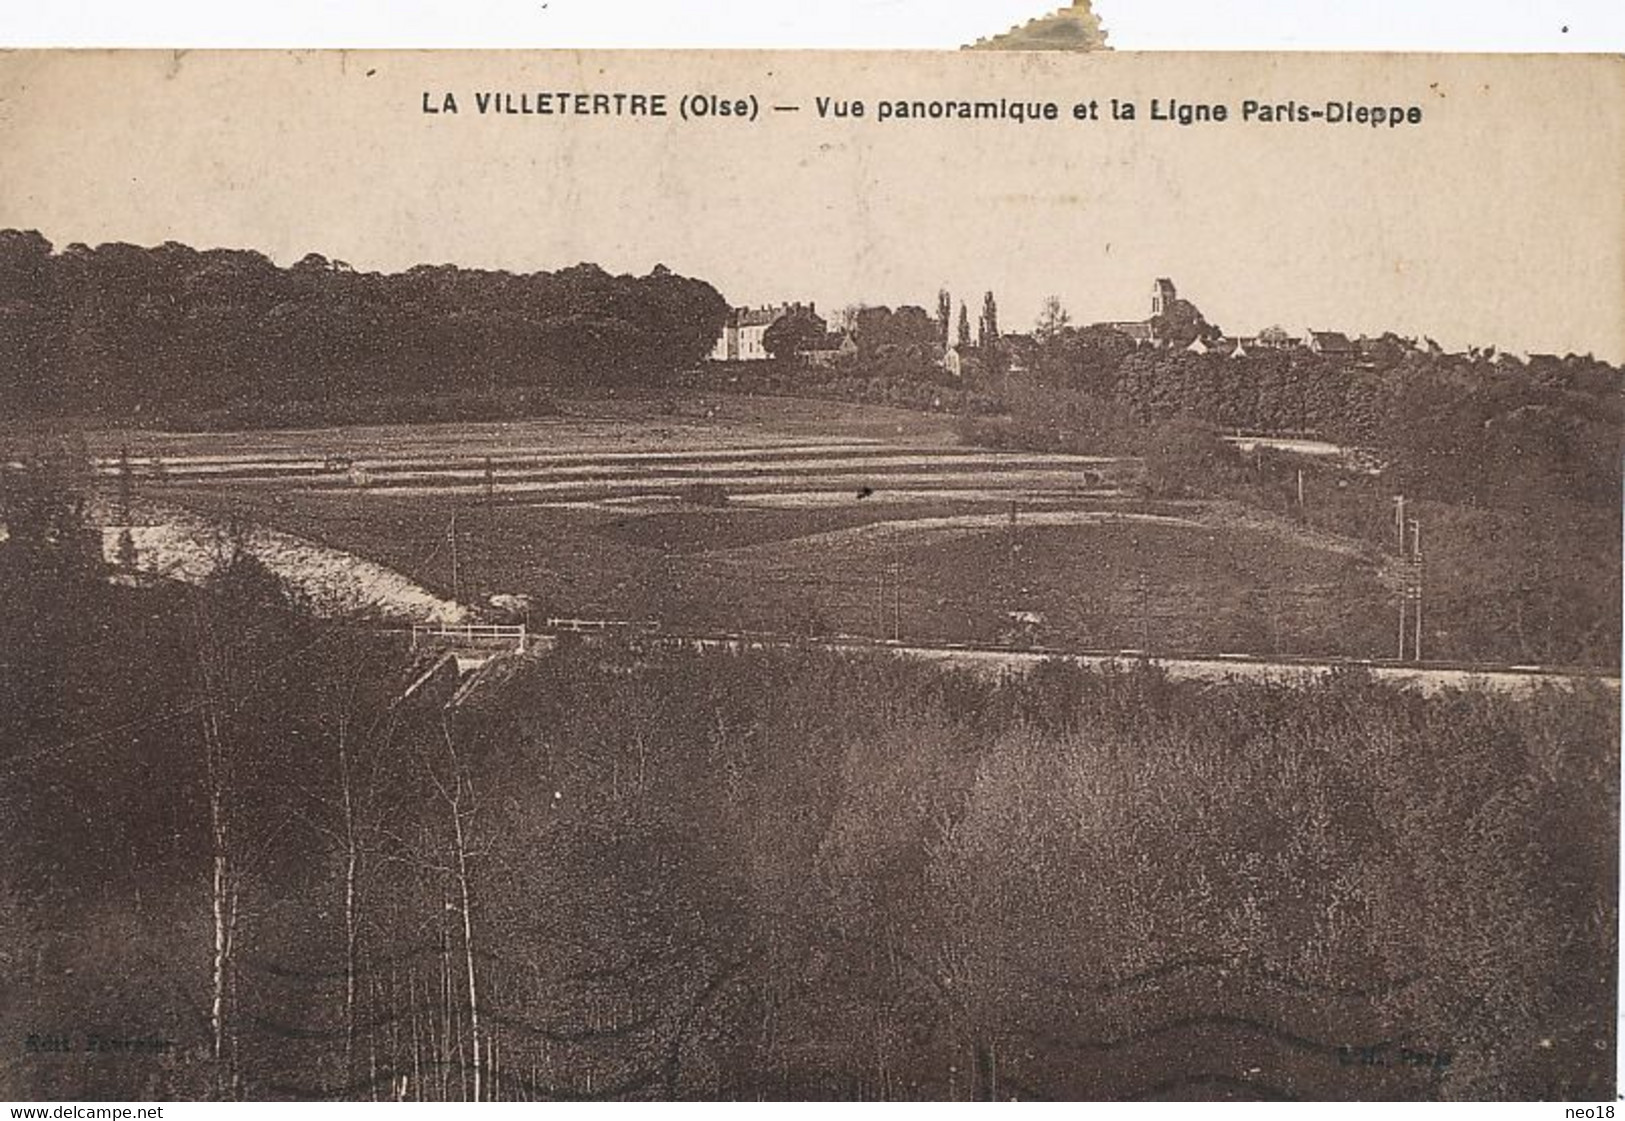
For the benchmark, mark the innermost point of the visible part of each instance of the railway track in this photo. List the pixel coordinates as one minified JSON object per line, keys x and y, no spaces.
{"x":1428,"y":677}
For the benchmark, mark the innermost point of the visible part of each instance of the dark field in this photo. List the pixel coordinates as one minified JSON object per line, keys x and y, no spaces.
{"x":752,"y":514}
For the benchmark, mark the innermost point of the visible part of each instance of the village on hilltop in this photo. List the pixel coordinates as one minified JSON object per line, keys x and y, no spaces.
{"x":1173,"y":323}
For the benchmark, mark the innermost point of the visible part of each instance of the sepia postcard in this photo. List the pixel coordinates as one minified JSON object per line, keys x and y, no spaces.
{"x":738,"y":576}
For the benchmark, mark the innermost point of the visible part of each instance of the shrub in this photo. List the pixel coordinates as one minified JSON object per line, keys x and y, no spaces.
{"x":705,"y":494}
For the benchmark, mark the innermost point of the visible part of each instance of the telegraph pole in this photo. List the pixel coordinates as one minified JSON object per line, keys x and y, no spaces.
{"x":1404,"y":591}
{"x":1416,"y":588}
{"x":1145,"y":615}
{"x":896,"y":593}
{"x":456,"y":592}
{"x":1410,"y":576}
{"x":1015,"y":590}
{"x":1401,"y":625}
{"x":880,"y":603}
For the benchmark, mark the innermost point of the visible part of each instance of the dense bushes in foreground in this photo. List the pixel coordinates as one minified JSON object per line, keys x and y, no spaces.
{"x":935,"y":870}
{"x":613,"y":872}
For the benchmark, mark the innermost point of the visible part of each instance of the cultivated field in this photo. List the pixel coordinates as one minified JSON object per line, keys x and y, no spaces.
{"x":788,"y":516}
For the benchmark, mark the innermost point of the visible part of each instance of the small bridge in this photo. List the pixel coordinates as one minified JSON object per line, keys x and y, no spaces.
{"x":455,"y":652}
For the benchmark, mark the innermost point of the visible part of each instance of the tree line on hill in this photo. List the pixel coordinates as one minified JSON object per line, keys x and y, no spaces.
{"x":1354,"y":398}
{"x":122,"y":331}
{"x":1469,"y":427}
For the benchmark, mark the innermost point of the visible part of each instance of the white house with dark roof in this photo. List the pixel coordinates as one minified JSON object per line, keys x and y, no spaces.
{"x":1333,"y":344}
{"x":741,"y":338}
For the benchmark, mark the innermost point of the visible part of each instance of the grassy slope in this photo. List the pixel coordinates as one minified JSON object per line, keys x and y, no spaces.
{"x":1207,"y":588}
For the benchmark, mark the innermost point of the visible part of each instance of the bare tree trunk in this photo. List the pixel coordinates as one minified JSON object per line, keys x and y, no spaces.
{"x":217,"y":1005}
{"x":219,"y":888}
{"x":494,"y":1086}
{"x":397,"y":1080}
{"x":351,"y":859}
{"x":447,"y":1022}
{"x":233,"y":1063}
{"x":468,"y":938}
{"x":455,"y":803}
{"x":372,"y":1046}
{"x":417,"y":1041}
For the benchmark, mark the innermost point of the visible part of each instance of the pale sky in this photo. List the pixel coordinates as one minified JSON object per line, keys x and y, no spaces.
{"x":1500,"y":220}
{"x":1141,"y":25}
